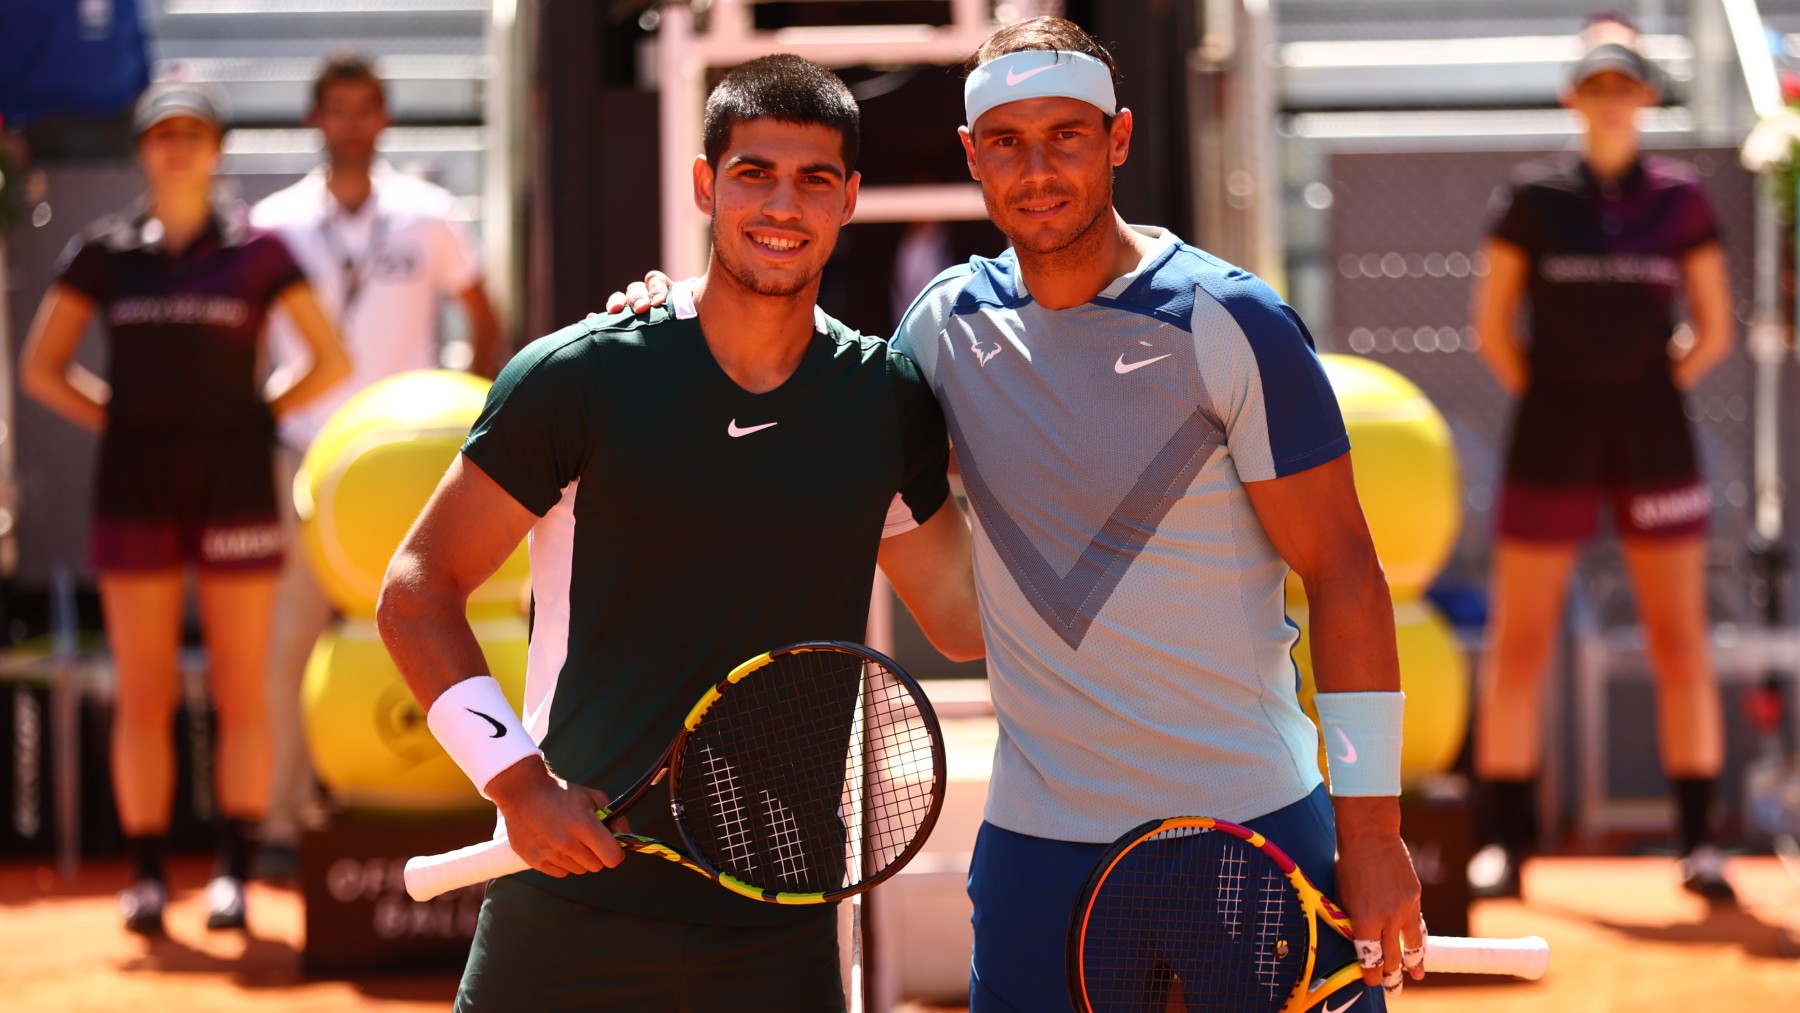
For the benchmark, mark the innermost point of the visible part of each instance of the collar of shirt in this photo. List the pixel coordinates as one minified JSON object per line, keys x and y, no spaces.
{"x":1630,"y":181}
{"x":225,"y":228}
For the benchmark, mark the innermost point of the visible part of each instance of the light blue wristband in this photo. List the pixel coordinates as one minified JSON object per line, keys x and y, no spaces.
{"x":1362,"y":742}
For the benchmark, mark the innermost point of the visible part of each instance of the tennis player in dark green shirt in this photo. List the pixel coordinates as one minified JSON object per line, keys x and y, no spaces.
{"x":700,"y":485}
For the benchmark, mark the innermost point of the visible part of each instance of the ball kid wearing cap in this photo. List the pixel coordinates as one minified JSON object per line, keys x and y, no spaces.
{"x":184,"y":474}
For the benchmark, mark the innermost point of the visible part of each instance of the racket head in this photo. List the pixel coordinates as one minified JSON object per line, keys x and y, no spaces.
{"x":808,"y":774}
{"x":1189,"y":910}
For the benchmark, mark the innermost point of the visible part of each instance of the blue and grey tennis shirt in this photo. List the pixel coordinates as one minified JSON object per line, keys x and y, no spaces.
{"x":1138,"y":643}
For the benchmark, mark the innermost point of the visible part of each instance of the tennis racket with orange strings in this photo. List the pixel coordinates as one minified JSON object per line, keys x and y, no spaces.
{"x":1197,"y":913}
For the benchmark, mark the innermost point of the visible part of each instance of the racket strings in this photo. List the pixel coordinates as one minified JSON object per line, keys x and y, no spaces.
{"x":1192,"y":919}
{"x":811,"y":774}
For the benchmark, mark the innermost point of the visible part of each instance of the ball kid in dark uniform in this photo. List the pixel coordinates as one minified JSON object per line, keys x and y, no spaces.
{"x":1601,"y":247}
{"x":700,"y":485}
{"x":185,"y":469}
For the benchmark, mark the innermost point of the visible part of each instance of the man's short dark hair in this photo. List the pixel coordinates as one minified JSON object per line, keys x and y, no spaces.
{"x":786,"y":88}
{"x":346,"y":67}
{"x":1042,"y":32}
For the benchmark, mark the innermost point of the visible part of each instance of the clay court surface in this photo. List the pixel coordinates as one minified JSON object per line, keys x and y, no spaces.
{"x":1624,"y":938}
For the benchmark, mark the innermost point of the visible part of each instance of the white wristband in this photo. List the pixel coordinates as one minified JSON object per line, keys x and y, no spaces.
{"x":479,"y":730}
{"x":1362,"y":741}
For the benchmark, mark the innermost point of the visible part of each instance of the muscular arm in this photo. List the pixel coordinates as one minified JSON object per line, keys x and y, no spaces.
{"x":466,"y":531}
{"x":48,"y":372}
{"x":330,"y":364}
{"x":1496,"y":313}
{"x":484,"y":330}
{"x":1314,"y":520}
{"x":931,"y":568}
{"x":1709,"y":308}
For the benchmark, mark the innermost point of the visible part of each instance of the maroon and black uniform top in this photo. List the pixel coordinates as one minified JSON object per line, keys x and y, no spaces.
{"x":185,"y":470}
{"x":1601,"y":409}
{"x":183,"y":329}
{"x":1605,"y":264}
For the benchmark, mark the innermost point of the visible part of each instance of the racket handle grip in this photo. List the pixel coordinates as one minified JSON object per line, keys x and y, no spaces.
{"x":429,"y":875}
{"x":1525,"y":958}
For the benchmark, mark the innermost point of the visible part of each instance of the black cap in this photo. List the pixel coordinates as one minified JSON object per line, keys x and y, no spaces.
{"x":169,"y":99}
{"x":1615,"y":58}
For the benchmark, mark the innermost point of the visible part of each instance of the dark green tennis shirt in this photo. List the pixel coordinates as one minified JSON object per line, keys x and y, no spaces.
{"x":688,"y":525}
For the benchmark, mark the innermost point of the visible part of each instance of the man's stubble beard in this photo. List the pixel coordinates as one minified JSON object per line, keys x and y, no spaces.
{"x":749,"y":280}
{"x":1084,"y":235}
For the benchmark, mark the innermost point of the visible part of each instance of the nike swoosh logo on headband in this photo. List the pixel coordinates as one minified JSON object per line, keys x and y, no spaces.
{"x":1014,"y":78}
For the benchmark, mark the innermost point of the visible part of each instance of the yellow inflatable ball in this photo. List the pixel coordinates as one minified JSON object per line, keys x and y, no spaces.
{"x":1434,"y":674}
{"x":370,"y":471}
{"x":367,"y":732}
{"x":1406,"y":472}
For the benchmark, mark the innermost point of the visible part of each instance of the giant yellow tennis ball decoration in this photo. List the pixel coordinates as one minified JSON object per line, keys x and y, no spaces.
{"x":1405,"y":466}
{"x":1434,"y":674}
{"x":370,"y":471}
{"x":367,"y":732}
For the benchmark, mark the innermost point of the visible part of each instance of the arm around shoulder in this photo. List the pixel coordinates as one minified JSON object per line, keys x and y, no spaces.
{"x":932,"y":570}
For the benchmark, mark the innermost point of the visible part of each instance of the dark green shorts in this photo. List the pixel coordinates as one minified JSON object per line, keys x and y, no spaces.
{"x":541,"y":952}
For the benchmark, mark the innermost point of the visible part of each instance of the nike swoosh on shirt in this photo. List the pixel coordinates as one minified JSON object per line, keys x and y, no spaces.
{"x":1349,"y":753}
{"x":1013,"y":77}
{"x":499,"y":729}
{"x":1329,"y":1008}
{"x":1125,"y":367}
{"x":734,"y":430}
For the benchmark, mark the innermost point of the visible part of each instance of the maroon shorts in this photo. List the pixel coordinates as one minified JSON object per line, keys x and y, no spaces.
{"x":1556,"y":514}
{"x":166,"y":499}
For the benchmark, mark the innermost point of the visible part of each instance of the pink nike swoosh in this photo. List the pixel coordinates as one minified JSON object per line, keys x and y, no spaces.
{"x":734,"y":430}
{"x":1349,"y":753}
{"x":1125,"y":367}
{"x":1013,"y":77}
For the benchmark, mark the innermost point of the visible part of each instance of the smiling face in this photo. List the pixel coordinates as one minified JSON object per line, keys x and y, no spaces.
{"x":777,"y":198}
{"x":1045,"y":166}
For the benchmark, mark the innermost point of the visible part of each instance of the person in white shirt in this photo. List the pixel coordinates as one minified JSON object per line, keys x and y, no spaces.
{"x":383,"y":251}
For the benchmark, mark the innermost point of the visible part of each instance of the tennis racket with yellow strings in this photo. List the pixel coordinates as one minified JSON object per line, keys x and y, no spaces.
{"x":806,"y":775}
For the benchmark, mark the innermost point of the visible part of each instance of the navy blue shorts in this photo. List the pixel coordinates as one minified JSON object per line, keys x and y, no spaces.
{"x":1025,"y":889}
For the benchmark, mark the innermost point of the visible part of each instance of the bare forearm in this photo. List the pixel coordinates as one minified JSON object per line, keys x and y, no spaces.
{"x":330,"y":364}
{"x":1709,"y":349}
{"x":306,"y":387}
{"x":426,"y":631}
{"x":1350,"y":621}
{"x":1708,"y":291}
{"x":1500,"y":352}
{"x":1495,"y":313}
{"x":484,"y":331}
{"x":484,"y":341}
{"x":73,"y":393}
{"x":1366,"y":817}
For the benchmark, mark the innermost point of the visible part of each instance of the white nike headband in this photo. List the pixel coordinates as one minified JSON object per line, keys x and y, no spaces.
{"x":1038,"y":73}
